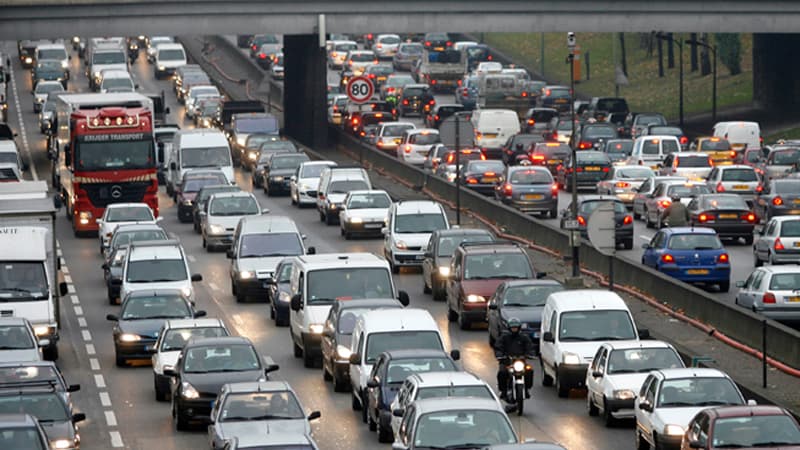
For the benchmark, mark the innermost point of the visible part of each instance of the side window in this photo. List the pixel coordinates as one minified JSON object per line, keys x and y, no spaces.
{"x":601,"y":364}
{"x":356,"y":345}
{"x":703,"y":423}
{"x":301,"y":285}
{"x":757,"y":280}
{"x":645,"y":386}
{"x":650,"y":395}
{"x":553,"y":320}
{"x":330,"y":322}
{"x":596,"y":358}
{"x":771,"y":228}
{"x":645,"y":187}
{"x":405,"y":426}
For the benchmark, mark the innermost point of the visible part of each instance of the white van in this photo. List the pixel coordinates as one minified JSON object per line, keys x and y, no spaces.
{"x":200,"y":148}
{"x":574,"y":325}
{"x":319,"y":280}
{"x":741,"y":135}
{"x":169,"y":56}
{"x":334,"y":184}
{"x":383,"y":330}
{"x":493,"y":127}
{"x":115,"y":80}
{"x":651,"y":150}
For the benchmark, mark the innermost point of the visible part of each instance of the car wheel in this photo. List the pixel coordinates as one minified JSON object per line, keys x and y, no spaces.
{"x":240,"y":297}
{"x":395,"y":269}
{"x":725,"y":286}
{"x":591,"y":408}
{"x":563,"y":391}
{"x":161,"y":396}
{"x":452,"y":316}
{"x":50,"y":353}
{"x":325,"y":374}
{"x":112,"y":299}
{"x":439,"y":293}
{"x":554,"y":213}
{"x":354,"y":403}
{"x":607,"y":417}
{"x":640,"y":443}
{"x":281,"y":322}
{"x":627,"y":244}
{"x":463,"y":322}
{"x":371,"y":424}
{"x":647,"y":221}
{"x":385,"y":435}
{"x":181,"y":424}
{"x":636,"y":215}
{"x":748,"y":240}
{"x":309,"y":361}
{"x":120,"y":361}
{"x":547,"y":380}
{"x":425,"y":288}
{"x":329,"y":220}
{"x":364,"y":406}
{"x":756,"y":260}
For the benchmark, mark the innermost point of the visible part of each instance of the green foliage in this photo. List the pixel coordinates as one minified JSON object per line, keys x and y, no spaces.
{"x":729,"y":51}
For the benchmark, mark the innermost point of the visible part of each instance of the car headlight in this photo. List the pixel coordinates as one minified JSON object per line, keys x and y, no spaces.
{"x":216,"y":229}
{"x":304,"y":187}
{"x":355,"y":220}
{"x":343,"y":352}
{"x":444,"y":271}
{"x":61,"y":443}
{"x":624,"y":394}
{"x":207,"y":122}
{"x":28,"y":60}
{"x":97,"y":75}
{"x":284,"y":297}
{"x":64,"y":64}
{"x":129,"y":337}
{"x":333,"y":206}
{"x":188,"y":391}
{"x":187,"y":291}
{"x":240,"y":140}
{"x":280,"y":179}
{"x":162,"y":68}
{"x":518,"y":366}
{"x":76,"y":39}
{"x":472,"y":298}
{"x":400,"y":245}
{"x":187,"y":202}
{"x":252,"y":156}
{"x":673,"y":430}
{"x":246,"y":274}
{"x":570,"y":358}
{"x":315,"y":328}
{"x":41,"y":330}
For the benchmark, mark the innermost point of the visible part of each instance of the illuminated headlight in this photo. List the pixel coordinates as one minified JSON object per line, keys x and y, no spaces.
{"x":64,"y":64}
{"x":673,"y":430}
{"x":252,"y":156}
{"x":315,"y":328}
{"x":444,"y":271}
{"x":216,"y":229}
{"x":187,"y":202}
{"x":304,"y":187}
{"x":97,"y":75}
{"x":333,"y":206}
{"x":162,"y":68}
{"x":343,"y":352}
{"x":41,"y":330}
{"x":241,"y":140}
{"x":129,"y":337}
{"x":84,"y":217}
{"x":571,"y":358}
{"x":188,"y":391}
{"x":61,"y":443}
{"x":118,"y":257}
{"x":76,"y":39}
{"x":624,"y":394}
{"x":206,"y":122}
{"x":355,"y":220}
{"x":284,"y":297}
{"x":400,"y":245}
{"x":39,"y":99}
{"x":519,"y":366}
{"x":280,"y":179}
{"x":472,"y":298}
{"x":28,"y":60}
{"x":141,"y":37}
{"x":187,"y":292}
{"x":246,"y":274}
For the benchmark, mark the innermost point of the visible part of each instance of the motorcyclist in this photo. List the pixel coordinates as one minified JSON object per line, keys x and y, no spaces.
{"x":509,"y":345}
{"x":676,"y":214}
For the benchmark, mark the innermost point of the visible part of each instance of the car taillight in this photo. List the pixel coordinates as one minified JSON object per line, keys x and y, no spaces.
{"x":584,"y":145}
{"x":554,"y":189}
{"x":459,"y":82}
{"x":777,"y":201}
{"x":531,"y":122}
{"x":472,"y":181}
{"x":768,"y":297}
{"x":379,"y":46}
{"x":390,"y":90}
{"x":489,"y":57}
{"x":254,"y":47}
{"x":408,"y":149}
{"x":579,"y":169}
{"x":427,"y":43}
{"x":606,"y":169}
{"x":262,"y":56}
{"x":664,"y":203}
{"x":723,"y":258}
{"x":622,"y":184}
{"x":537,"y":158}
{"x":684,"y":140}
{"x":759,"y":188}
{"x":524,"y":94}
{"x":710,"y":162}
{"x":405,"y":101}
{"x":372,"y":75}
{"x":355,"y":120}
{"x":581,"y":221}
{"x":702,"y":218}
{"x":483,"y":157}
{"x":667,"y":258}
{"x":733,"y":154}
{"x":720,"y":187}
{"x":778,"y":245}
{"x":507,"y":189}
{"x":627,"y":220}
{"x":750,"y":217}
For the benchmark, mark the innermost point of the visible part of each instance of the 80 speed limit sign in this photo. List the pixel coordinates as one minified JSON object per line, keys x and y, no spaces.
{"x":360,"y":89}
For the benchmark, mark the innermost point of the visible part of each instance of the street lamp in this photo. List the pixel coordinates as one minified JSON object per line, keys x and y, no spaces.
{"x":713,"y":49}
{"x":666,"y":37}
{"x":571,"y":44}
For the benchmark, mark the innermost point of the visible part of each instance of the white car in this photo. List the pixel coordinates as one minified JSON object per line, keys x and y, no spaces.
{"x":408,"y":230}
{"x":117,"y":214}
{"x":617,"y":372}
{"x":390,"y":134}
{"x":778,"y":242}
{"x":196,"y":92}
{"x":115,"y":80}
{"x":416,"y":144}
{"x":157,"y":265}
{"x":772,"y":291}
{"x":358,"y":60}
{"x":670,"y":398}
{"x":222,"y":214}
{"x":386,"y":45}
{"x":364,"y":212}
{"x":42,"y":89}
{"x":303,"y":184}
{"x":171,"y":339}
{"x":488,"y":67}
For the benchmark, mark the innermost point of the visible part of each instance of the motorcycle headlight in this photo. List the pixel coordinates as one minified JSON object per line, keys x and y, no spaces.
{"x":624,"y":394}
{"x":315,"y":328}
{"x":188,"y":391}
{"x":162,"y":68}
{"x":400,"y":245}
{"x":252,"y":156}
{"x":246,"y":274}
{"x":64,"y":64}
{"x":571,"y":358}
{"x":472,"y":298}
{"x":129,"y":337}
{"x":280,"y":179}
{"x":240,"y":140}
{"x":444,"y":271}
{"x":97,"y":75}
{"x":41,"y":330}
{"x":216,"y":229}
{"x":187,"y":292}
{"x":673,"y":430}
{"x":356,"y":220}
{"x":187,"y":202}
{"x":518,"y":366}
{"x":343,"y":352}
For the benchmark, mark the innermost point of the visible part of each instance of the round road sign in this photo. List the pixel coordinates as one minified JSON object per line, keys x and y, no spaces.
{"x":360,"y":89}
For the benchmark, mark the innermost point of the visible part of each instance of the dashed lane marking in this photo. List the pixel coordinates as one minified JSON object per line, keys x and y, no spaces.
{"x":213,"y":286}
{"x":192,"y":258}
{"x":82,"y":322}
{"x":111,"y":418}
{"x":71,"y":289}
{"x":74,"y":298}
{"x":105,"y":399}
{"x":99,"y":381}
{"x":87,"y":336}
{"x":94,"y":364}
{"x":90,"y":349}
{"x":24,"y":135}
{"x":116,"y":439}
{"x":238,"y":319}
{"x":67,"y":278}
{"x":78,"y":310}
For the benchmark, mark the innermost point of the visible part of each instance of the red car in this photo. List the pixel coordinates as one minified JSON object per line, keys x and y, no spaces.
{"x":762,"y":427}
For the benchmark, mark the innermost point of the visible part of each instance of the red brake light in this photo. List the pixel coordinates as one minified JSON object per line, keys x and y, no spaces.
{"x":584,"y":145}
{"x":433,"y":81}
{"x":449,"y":43}
{"x":262,"y":56}
{"x":436,"y":117}
{"x":664,"y":203}
{"x":524,"y":94}
{"x":627,"y":220}
{"x":768,"y":297}
{"x":667,"y":258}
{"x":733,"y":153}
{"x":369,"y":36}
{"x":459,"y":82}
{"x":750,"y":217}
{"x":720,"y":187}
{"x":355,"y":120}
{"x":777,"y":201}
{"x":489,"y":57}
{"x":539,"y":158}
{"x":379,"y":45}
{"x":723,"y":258}
{"x":507,"y":189}
{"x":702,"y":218}
{"x":581,"y":221}
{"x":554,"y":188}
{"x":531,"y":122}
{"x":408,"y":149}
{"x":606,"y":169}
{"x":623,"y":184}
{"x":405,"y":102}
{"x":483,"y":157}
{"x":489,"y":174}
{"x":451,"y":157}
{"x":778,"y":245}
{"x":427,"y":43}
{"x":684,"y":140}
{"x":759,"y":188}
{"x":254,"y":47}
{"x":372,"y":75}
{"x":472,"y":181}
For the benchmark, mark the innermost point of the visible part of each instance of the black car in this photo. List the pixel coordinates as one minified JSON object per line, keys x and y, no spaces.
{"x":415,"y":98}
{"x":112,"y":272}
{"x":440,"y":112}
{"x":623,"y":221}
{"x":439,"y":253}
{"x":437,"y":41}
{"x":549,"y":154}
{"x":529,"y":189}
{"x":202,"y":197}
{"x":482,"y":176}
{"x":780,"y":197}
{"x":203,"y":367}
{"x":378,"y":73}
{"x":337,"y":335}
{"x":280,"y":293}
{"x":53,"y":414}
{"x":142,"y":315}
{"x":368,"y":123}
{"x":389,"y":372}
{"x":556,"y":97}
{"x":536,"y":120}
{"x":280,"y":168}
{"x":618,"y":149}
{"x":727,"y":214}
{"x":592,"y":136}
{"x":265,"y":152}
{"x":523,"y":300}
{"x":603,"y":106}
{"x":31,"y":373}
{"x":588,"y":168}
{"x":517,"y":146}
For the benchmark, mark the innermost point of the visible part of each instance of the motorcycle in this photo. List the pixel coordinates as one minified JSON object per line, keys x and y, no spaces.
{"x":515,"y":387}
{"x":133,"y":51}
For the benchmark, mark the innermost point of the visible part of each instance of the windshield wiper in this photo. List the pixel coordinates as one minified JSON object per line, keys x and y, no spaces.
{"x":273,"y":417}
{"x":519,"y":304}
{"x":668,"y":404}
{"x":617,"y":371}
{"x":9,"y":347}
{"x":768,"y":444}
{"x":576,"y":338}
{"x":15,"y":290}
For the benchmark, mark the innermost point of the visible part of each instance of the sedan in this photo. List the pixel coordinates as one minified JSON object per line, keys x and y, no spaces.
{"x":523,"y":300}
{"x":141,"y":318}
{"x":778,"y":242}
{"x":695,"y":166}
{"x":727,"y":214}
{"x":619,"y":150}
{"x":588,"y":203}
{"x":364,"y":213}
{"x":482,"y":176}
{"x":122,"y":214}
{"x":764,"y":427}
{"x":624,"y":181}
{"x":18,"y":342}
{"x":112,"y":272}
{"x":773,"y":291}
{"x":645,"y":191}
{"x":779,"y":197}
{"x":692,"y":255}
{"x":780,"y":161}
{"x":549,"y":154}
{"x":278,"y":171}
{"x":663,"y":196}
{"x":589,"y":168}
{"x":529,"y":189}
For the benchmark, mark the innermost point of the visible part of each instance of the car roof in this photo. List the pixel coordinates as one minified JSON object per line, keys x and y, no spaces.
{"x":231,"y":194}
{"x":789,"y":268}
{"x":541,"y":282}
{"x":138,"y":227}
{"x":456,"y":404}
{"x":490,"y":247}
{"x":435,"y":379}
{"x":681,"y":154}
{"x":220,"y":340}
{"x":747,"y":411}
{"x":624,"y":345}
{"x":462,"y":232}
{"x":267,"y":223}
{"x":597,"y":197}
{"x":587,"y":299}
{"x":417,"y":207}
{"x":13,"y":321}
{"x":16,"y":421}
{"x":156,"y":292}
{"x":147,"y":250}
{"x":269,"y":440}
{"x":193,"y":323}
{"x":128,"y":205}
{"x":690,"y":372}
{"x":409,"y":319}
{"x":368,"y":303}
{"x":736,"y":166}
{"x":257,"y":386}
{"x":340,"y":260}
{"x":416,"y":353}
{"x":689,"y":230}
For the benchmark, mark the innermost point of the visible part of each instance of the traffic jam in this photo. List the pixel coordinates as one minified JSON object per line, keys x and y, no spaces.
{"x":434,"y":333}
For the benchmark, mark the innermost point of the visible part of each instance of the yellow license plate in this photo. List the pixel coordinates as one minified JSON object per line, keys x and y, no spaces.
{"x":796,"y":201}
{"x":561,"y":100}
{"x":559,"y":161}
{"x":397,"y":141}
{"x":728,"y":216}
{"x":592,"y":169}
{"x":796,"y":244}
{"x":794,"y":299}
{"x":490,"y":135}
{"x":533,"y":196}
{"x":697,"y":272}
{"x":381,"y":78}
{"x":438,"y":49}
{"x":741,"y":186}
{"x":489,"y":180}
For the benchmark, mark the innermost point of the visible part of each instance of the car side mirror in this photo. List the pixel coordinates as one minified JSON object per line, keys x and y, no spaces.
{"x":541,"y":274}
{"x":296,"y":302}
{"x":200,"y":313}
{"x":355,"y":358}
{"x":403,"y":297}
{"x":57,"y":203}
{"x":399,"y":446}
{"x":493,"y":306}
{"x":645,"y":246}
{"x":293,"y":178}
{"x":548,"y":337}
{"x":740,"y":284}
{"x":384,"y":231}
{"x":455,"y":354}
{"x":229,"y":253}
{"x":398,"y":412}
{"x":78,"y":417}
{"x":159,"y":219}
{"x":373,"y":384}
{"x":112,"y":317}
{"x":645,"y":405}
{"x":271,"y":368}
{"x":597,"y":374}
{"x":644,"y":333}
{"x":73,"y":388}
{"x":314,"y":416}
{"x":43,"y":342}
{"x":197,"y":277}
{"x":170,"y":371}
{"x":751,"y":402}
{"x":428,"y":255}
{"x":62,"y":288}
{"x":311,"y":251}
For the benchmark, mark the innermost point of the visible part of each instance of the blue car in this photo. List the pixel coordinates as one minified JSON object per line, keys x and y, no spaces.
{"x":692,"y":255}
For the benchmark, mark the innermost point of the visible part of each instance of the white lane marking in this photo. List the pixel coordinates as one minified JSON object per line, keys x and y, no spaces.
{"x":238,"y":319}
{"x":82,"y":322}
{"x":192,"y":258}
{"x":645,"y":238}
{"x":90,"y":349}
{"x":67,"y":278}
{"x":111,"y":419}
{"x":105,"y":399}
{"x":213,"y":286}
{"x":58,"y":244}
{"x":116,"y":439}
{"x":94,"y":363}
{"x":70,"y":289}
{"x":64,"y":269}
{"x":74,"y":298}
{"x":99,"y":381}
{"x":25,"y":145}
{"x":58,"y":252}
{"x":87,"y":336}
{"x":78,"y":310}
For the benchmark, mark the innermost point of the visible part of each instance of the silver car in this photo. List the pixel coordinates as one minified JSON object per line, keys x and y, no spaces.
{"x":662,"y":197}
{"x":623,"y":181}
{"x":18,"y":342}
{"x":773,"y":291}
{"x":734,"y":179}
{"x":692,"y":165}
{"x":364,"y":212}
{"x":221,"y":215}
{"x":778,"y":242}
{"x":644,"y":191}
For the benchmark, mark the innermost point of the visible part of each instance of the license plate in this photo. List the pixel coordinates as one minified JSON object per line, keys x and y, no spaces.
{"x":397,"y":141}
{"x":797,"y":244}
{"x":419,"y":257}
{"x":561,"y":100}
{"x":796,"y":201}
{"x":373,"y":225}
{"x":438,"y":49}
{"x":381,"y":78}
{"x":794,"y":299}
{"x":697,"y":272}
{"x":489,"y":180}
{"x":592,"y":169}
{"x":532,"y":196}
{"x":741,"y":186}
{"x":728,"y":216}
{"x":554,"y":161}
{"x":490,"y":135}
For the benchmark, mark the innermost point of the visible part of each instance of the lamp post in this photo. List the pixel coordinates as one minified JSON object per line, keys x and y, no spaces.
{"x":713,"y":49}
{"x":665,"y":37}
{"x":571,"y":44}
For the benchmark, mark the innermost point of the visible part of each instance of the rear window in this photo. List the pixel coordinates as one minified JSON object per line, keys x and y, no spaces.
{"x":345,"y":186}
{"x":592,"y":158}
{"x":790,"y":228}
{"x":634,"y":172}
{"x":413,"y":91}
{"x":362,"y":57}
{"x":739,"y":175}
{"x":378,"y":343}
{"x":543,"y":116}
{"x":694,"y":242}
{"x":620,"y":147}
{"x":530,"y":177}
{"x":413,"y":49}
{"x":672,"y":131}
{"x":396,"y":130}
{"x":786,"y":187}
{"x":558,"y":93}
{"x":390,"y":40}
{"x":600,"y":132}
{"x":588,"y":207}
{"x":648,"y":119}
{"x":425,"y":139}
{"x":345,"y":47}
{"x":725,"y":202}
{"x":687,"y":190}
{"x":715,"y":145}
{"x":693,"y":161}
{"x":612,"y":105}
{"x":485,"y":166}
{"x":651,"y":147}
{"x":785,"y":281}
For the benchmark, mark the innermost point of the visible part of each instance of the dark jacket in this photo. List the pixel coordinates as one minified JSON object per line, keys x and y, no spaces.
{"x":676,"y":215}
{"x":513,"y":344}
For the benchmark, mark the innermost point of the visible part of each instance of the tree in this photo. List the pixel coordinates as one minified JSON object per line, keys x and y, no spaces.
{"x":729,"y":51}
{"x":670,"y":52}
{"x":693,"y":52}
{"x":705,"y":59}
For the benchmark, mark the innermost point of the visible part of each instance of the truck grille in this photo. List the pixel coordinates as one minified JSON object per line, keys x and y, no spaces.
{"x":104,"y":194}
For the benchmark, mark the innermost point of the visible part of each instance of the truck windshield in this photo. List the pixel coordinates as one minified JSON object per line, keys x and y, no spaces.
{"x":104,"y":152}
{"x":206,"y":157}
{"x":22,"y":280}
{"x":109,"y":58}
{"x":267,"y":125}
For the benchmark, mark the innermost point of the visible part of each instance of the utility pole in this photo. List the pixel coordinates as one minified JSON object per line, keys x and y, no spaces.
{"x":679,"y":43}
{"x":713,"y":48}
{"x":571,"y":44}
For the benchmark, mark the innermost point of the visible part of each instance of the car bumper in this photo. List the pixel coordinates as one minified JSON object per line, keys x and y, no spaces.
{"x":220,"y":239}
{"x":781,"y":314}
{"x":572,"y":376}
{"x":786,"y":257}
{"x":533,"y":205}
{"x":668,"y":442}
{"x":620,"y":408}
{"x":198,"y":409}
{"x":312,"y":344}
{"x":278,"y":186}
{"x":364,"y":227}
{"x":163,"y":382}
{"x":773,"y":211}
{"x":137,"y":350}
{"x":184,"y":211}
{"x":253,"y":288}
{"x":485,"y":189}
{"x":711,"y":275}
{"x":732,"y":230}
{"x":474,"y":312}
{"x":407,"y":259}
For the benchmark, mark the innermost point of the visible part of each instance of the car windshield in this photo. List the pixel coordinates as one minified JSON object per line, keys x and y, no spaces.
{"x":698,"y":391}
{"x":269,"y":405}
{"x":129,"y":214}
{"x":15,"y":337}
{"x":396,"y":130}
{"x":52,"y":53}
{"x":256,"y":140}
{"x":467,"y":428}
{"x":22,"y":280}
{"x":484,"y":166}
{"x":425,"y":138}
{"x":156,"y":270}
{"x":267,"y":39}
{"x":378,"y":343}
{"x":419,"y":223}
{"x":348,"y":283}
{"x":31,"y":374}
{"x":111,"y":83}
{"x":46,"y":407}
{"x":205,"y":157}
{"x":108,"y":58}
{"x":448,"y":244}
{"x":497,"y":265}
{"x":596,"y":325}
{"x":262,"y":245}
{"x":9,"y":157}
{"x":625,"y":147}
{"x":27,"y":437}
{"x":175,"y":54}
{"x":790,"y":228}
{"x":166,"y":306}
{"x":642,"y":360}
{"x":288,"y":161}
{"x":687,"y":190}
{"x":748,"y":174}
{"x":45,"y":88}
{"x":176,"y":338}
{"x":694,"y":242}
{"x":588,"y":207}
{"x":221,"y":358}
{"x":725,"y":202}
{"x":650,"y":119}
{"x":106,"y":152}
{"x":194,"y":184}
{"x":400,"y":369}
{"x":381,"y":69}
{"x":651,"y":146}
{"x":389,"y":40}
{"x":714,"y":145}
{"x":345,"y":186}
{"x":312,"y":170}
{"x":535,"y":295}
{"x":267,"y":124}
{"x":478,"y":391}
{"x":233,"y":206}
{"x":786,"y":187}
{"x":126,"y":237}
{"x":634,"y":172}
{"x":785,"y":157}
{"x":399,"y":80}
{"x":362,"y":57}
{"x":591,"y":157}
{"x":530,"y":176}
{"x":367,"y":201}
{"x":768,"y":431}
{"x":599,"y":132}
{"x":694,"y":161}
{"x":785,"y":281}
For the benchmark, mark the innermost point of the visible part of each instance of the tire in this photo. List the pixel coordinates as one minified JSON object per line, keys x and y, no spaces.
{"x":547,"y":380}
{"x":591,"y":408}
{"x":647,"y":222}
{"x":491,"y":340}
{"x":160,"y":395}
{"x":308,"y":360}
{"x":756,"y":261}
{"x":748,"y":240}
{"x":640,"y":443}
{"x":371,"y":424}
{"x":329,"y":220}
{"x":181,"y":424}
{"x":607,"y":417}
{"x":339,"y":385}
{"x":354,"y":403}
{"x":325,"y":374}
{"x":560,"y":389}
{"x":321,"y":217}
{"x":553,"y":213}
{"x":395,"y":269}
{"x":452,"y":316}
{"x":519,"y":392}
{"x":439,"y":294}
{"x":725,"y":286}
{"x":120,"y":361}
{"x":464,"y":323}
{"x":627,"y":244}
{"x":425,"y":288}
{"x":281,"y":322}
{"x":298,"y":352}
{"x":636,"y":216}
{"x":112,"y":299}
{"x":240,"y":297}
{"x":385,"y":435}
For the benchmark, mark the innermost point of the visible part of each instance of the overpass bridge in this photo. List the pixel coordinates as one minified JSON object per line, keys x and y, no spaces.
{"x":776,"y":50}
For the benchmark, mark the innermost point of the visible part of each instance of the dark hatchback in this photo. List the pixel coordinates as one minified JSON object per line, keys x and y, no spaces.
{"x":523,"y":300}
{"x":279,"y":170}
{"x":618,"y":149}
{"x":594,"y":136}
{"x":517,"y":147}
{"x":549,"y":154}
{"x":142,"y":316}
{"x":780,"y":197}
{"x":727,"y":214}
{"x":482,"y":176}
{"x":192,"y":182}
{"x":439,"y":253}
{"x":441,"y":112}
{"x":529,"y":189}
{"x":536,"y":120}
{"x":589,"y":167}
{"x":279,"y":292}
{"x":624,"y":222}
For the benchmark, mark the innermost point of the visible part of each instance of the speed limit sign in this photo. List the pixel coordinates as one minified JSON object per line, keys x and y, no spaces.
{"x":360,"y":89}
